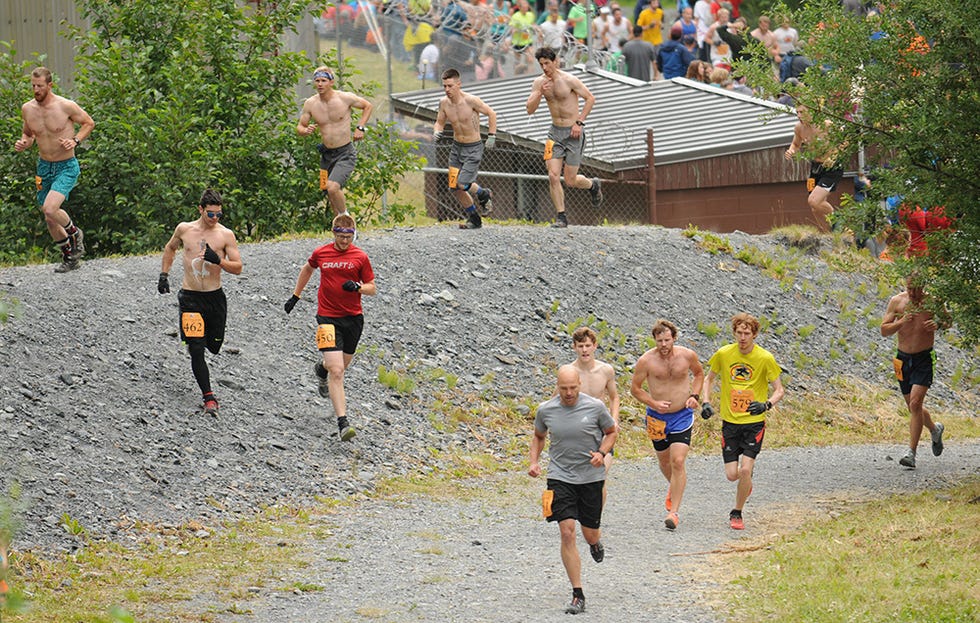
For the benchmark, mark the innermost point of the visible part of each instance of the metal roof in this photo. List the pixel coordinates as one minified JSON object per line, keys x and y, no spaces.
{"x":690,"y":120}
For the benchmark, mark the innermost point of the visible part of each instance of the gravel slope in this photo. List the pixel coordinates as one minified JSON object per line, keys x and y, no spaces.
{"x":99,"y":414}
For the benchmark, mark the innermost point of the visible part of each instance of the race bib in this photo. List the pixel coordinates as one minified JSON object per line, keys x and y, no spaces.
{"x":656,"y":429}
{"x":740,"y":399}
{"x":811,"y":183}
{"x":547,"y":497}
{"x":192,"y":324}
{"x":324,"y":176}
{"x":38,"y":181}
{"x":549,"y":149}
{"x":326,"y":336}
{"x":898,"y":368}
{"x":453,"y":176}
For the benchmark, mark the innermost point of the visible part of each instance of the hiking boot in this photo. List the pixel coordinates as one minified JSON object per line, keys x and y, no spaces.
{"x":735,"y":521}
{"x":347,"y":433}
{"x":485,"y":199}
{"x":667,"y":499}
{"x":323,"y":382}
{"x":68,"y":263}
{"x":908,"y":460}
{"x":598,"y":551}
{"x":473,"y":221}
{"x":211,"y":405}
{"x":596,"y":192}
{"x":560,"y":221}
{"x":672,"y":521}
{"x":77,"y":244}
{"x":937,"y":439}
{"x":576,"y":606}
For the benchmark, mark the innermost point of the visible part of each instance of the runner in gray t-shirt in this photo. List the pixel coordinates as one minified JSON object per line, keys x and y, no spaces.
{"x":582,"y":432}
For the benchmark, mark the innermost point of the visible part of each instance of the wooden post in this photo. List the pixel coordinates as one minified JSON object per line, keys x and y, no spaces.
{"x":651,"y":181}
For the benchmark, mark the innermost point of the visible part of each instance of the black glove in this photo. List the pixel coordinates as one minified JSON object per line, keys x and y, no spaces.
{"x":163,"y":284}
{"x":706,"y":410}
{"x":291,"y":303}
{"x":758,"y":408}
{"x":210,"y":255}
{"x":351,"y":286}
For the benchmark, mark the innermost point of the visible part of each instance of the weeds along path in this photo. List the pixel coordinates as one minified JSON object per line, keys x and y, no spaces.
{"x":493,"y":559}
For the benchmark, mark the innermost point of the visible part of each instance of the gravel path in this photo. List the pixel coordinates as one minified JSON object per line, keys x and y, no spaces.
{"x":498,"y":561}
{"x":100,"y":417}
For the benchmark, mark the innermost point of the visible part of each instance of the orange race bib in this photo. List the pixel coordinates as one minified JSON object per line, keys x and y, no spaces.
{"x":38,"y":181}
{"x":898,"y":368}
{"x":326,"y":336}
{"x":453,"y":176}
{"x":740,"y":399}
{"x":547,"y":497}
{"x":656,"y":429}
{"x":324,"y":176}
{"x":549,"y":149}
{"x":811,"y":183}
{"x":192,"y":324}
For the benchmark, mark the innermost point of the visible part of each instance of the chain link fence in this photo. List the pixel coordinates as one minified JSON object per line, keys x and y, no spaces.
{"x":483,"y":43}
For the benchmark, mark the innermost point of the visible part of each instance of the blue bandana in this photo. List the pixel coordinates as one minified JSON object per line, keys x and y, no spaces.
{"x":323,"y":74}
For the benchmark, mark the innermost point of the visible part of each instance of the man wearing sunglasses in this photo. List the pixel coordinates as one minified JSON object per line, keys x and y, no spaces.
{"x":330,"y":113}
{"x":209,"y":248}
{"x":345,"y":275}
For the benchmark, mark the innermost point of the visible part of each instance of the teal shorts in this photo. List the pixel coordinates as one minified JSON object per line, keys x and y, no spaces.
{"x":60,"y":176}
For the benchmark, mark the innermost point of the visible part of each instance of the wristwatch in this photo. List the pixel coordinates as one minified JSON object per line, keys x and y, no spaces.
{"x":77,"y":140}
{"x":362,"y":128}
{"x":579,"y":122}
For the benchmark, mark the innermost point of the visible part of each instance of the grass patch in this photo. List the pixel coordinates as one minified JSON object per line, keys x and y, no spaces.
{"x":161,"y":571}
{"x":902,"y":559}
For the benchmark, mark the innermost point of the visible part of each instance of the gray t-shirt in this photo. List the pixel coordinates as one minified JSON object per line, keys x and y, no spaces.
{"x":575,"y":432}
{"x":639,"y":54}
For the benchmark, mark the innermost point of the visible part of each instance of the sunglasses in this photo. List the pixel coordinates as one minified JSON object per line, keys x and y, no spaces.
{"x":213,"y":214}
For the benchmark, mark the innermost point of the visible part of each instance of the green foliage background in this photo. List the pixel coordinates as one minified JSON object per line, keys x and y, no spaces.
{"x":904,"y":86}
{"x":186,"y":96}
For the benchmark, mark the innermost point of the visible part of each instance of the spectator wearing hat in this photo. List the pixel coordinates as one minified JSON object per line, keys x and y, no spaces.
{"x":673,"y":58}
{"x":599,"y":23}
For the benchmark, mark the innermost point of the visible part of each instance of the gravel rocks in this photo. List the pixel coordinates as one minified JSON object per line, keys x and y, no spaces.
{"x":100,"y":417}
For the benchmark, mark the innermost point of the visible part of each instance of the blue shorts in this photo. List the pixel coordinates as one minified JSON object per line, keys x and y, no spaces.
{"x":60,"y":176}
{"x":677,"y":428}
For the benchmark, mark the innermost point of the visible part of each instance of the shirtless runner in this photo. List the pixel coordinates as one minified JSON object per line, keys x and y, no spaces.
{"x":674,"y":378}
{"x":209,"y":248}
{"x":462,"y":111}
{"x":330,"y":112}
{"x":50,"y":121}
{"x":566,"y":138}
{"x":598,"y":380}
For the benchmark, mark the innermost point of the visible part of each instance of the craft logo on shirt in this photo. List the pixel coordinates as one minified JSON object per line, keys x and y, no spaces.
{"x":741,"y":372}
{"x":341,"y":264}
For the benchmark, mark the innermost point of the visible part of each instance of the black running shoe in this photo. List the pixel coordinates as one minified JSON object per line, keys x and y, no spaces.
{"x":596,"y":192}
{"x":560,"y":220}
{"x":485,"y":198}
{"x":576,"y":606}
{"x":472,"y":222}
{"x":598,"y":551}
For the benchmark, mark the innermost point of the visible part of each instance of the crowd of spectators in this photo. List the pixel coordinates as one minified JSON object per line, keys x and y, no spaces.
{"x":486,"y":39}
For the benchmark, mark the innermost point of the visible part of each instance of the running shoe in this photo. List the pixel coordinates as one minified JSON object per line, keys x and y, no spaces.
{"x":735,"y":521}
{"x":908,"y":460}
{"x":937,"y":439}
{"x":473,"y":221}
{"x":68,"y":263}
{"x":667,"y":501}
{"x":577,"y":606}
{"x":598,"y":551}
{"x":485,"y":198}
{"x":323,"y":382}
{"x":561,"y":220}
{"x":211,"y":405}
{"x":672,"y":521}
{"x":595,"y":192}
{"x":78,"y":243}
{"x":347,"y":433}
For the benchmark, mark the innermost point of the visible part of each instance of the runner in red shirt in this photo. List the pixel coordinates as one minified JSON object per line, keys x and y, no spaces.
{"x":345,"y":275}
